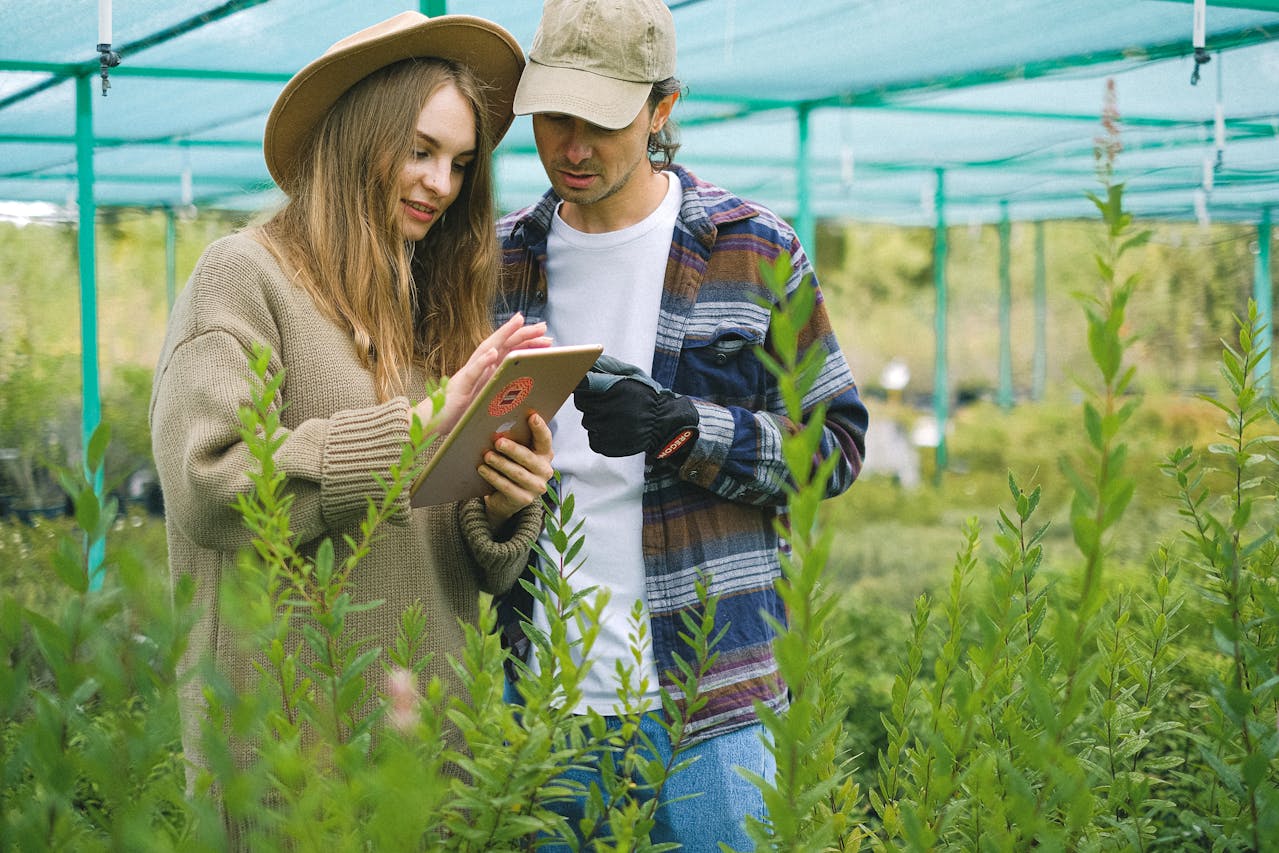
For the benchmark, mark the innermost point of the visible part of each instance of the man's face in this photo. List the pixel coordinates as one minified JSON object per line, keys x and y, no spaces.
{"x":588,"y":164}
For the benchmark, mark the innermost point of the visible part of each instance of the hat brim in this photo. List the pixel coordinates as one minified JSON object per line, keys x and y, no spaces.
{"x":604,"y":101}
{"x":490,"y":52}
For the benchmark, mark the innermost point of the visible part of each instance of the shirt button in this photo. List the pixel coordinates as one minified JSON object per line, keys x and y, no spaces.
{"x":694,"y":474}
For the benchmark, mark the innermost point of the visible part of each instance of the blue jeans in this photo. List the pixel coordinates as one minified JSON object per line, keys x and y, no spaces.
{"x":711,"y":799}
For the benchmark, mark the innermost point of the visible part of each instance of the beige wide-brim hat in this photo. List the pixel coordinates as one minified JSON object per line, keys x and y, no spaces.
{"x":490,"y":52}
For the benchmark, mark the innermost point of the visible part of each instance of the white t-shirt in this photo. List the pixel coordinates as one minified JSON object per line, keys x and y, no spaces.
{"x":607,"y":289}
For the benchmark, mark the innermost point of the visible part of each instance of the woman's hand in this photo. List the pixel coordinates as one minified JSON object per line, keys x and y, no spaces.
{"x":467,"y":382}
{"x":518,"y":473}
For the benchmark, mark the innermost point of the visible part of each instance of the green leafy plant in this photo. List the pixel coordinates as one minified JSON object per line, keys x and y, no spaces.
{"x":88,"y":695}
{"x":1035,"y":725}
{"x":1227,"y":498}
{"x":813,"y":799}
{"x":328,"y":771}
{"x":619,"y":809}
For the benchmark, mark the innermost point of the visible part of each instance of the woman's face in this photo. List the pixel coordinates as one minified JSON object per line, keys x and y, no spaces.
{"x":444,"y":147}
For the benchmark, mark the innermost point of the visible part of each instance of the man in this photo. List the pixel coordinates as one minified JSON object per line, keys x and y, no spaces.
{"x":673,"y":450}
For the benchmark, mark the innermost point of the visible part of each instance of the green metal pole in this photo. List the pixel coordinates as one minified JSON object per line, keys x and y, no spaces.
{"x":90,"y":393}
{"x":1261,"y":293}
{"x":434,"y":8}
{"x":1005,"y":395}
{"x":170,"y":256}
{"x":941,"y":383}
{"x":803,"y":200}
{"x":1039,"y":373}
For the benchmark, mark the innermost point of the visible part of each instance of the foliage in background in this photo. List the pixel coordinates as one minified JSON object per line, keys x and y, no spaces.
{"x":326,"y":770}
{"x":39,"y":426}
{"x":1157,"y":676}
{"x":1060,"y":690}
{"x":812,"y":801}
{"x":877,"y":280}
{"x":40,"y":405}
{"x":1227,"y":500}
{"x":88,"y":755}
{"x":1033,"y":708}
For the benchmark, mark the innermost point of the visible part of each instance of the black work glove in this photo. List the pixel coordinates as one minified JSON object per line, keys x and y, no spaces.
{"x":626,"y":412}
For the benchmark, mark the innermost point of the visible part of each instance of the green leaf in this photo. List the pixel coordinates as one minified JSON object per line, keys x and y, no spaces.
{"x":1140,"y":239}
{"x":324,"y":563}
{"x":88,"y":512}
{"x":68,"y":564}
{"x":97,"y":449}
{"x":1092,"y":424}
{"x":1087,"y":536}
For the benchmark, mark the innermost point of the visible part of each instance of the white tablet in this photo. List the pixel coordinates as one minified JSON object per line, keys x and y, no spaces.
{"x":527,"y":381}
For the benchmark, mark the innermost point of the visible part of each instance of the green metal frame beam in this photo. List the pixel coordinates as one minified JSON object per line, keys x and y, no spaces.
{"x":1004,"y":395}
{"x":1262,"y":294}
{"x":90,"y":391}
{"x":231,"y":181}
{"x":1248,"y":130}
{"x":1230,"y":40}
{"x":1039,"y":368}
{"x":1258,"y":5}
{"x":64,"y":73}
{"x":170,"y":258}
{"x":804,"y":227}
{"x":120,"y":141}
{"x":92,"y":66}
{"x":941,"y":367}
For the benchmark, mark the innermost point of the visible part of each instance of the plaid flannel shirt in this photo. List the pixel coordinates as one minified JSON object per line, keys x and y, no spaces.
{"x":715,"y":514}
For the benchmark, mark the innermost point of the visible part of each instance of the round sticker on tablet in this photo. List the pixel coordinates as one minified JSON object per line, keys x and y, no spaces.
{"x":511,"y":396}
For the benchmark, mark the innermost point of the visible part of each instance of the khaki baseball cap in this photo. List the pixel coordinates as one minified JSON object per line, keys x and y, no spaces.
{"x":597,"y":59}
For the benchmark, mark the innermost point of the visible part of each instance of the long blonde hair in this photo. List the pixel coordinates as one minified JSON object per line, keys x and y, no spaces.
{"x":427,"y":303}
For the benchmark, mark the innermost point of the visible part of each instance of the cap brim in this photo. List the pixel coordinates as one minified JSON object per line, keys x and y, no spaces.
{"x":604,"y":101}
{"x":491,"y":53}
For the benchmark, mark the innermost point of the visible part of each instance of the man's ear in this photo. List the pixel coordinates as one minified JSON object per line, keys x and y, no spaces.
{"x":662,"y":113}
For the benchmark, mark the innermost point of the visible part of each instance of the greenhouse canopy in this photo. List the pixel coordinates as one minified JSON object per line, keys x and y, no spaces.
{"x":911,"y":112}
{"x":867,"y":109}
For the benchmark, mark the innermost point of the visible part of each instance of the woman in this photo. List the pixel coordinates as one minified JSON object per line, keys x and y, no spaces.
{"x":376,"y":275}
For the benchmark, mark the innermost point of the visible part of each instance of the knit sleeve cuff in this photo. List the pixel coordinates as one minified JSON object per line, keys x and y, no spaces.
{"x":360,"y":446}
{"x":501,"y":560}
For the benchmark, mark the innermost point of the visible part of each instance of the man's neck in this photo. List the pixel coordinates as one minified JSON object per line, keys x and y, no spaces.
{"x":641,"y":196}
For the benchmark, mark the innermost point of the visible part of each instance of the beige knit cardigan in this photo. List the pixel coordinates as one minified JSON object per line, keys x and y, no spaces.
{"x":337,"y":438}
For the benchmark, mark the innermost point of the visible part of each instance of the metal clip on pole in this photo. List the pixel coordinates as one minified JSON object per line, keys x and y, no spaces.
{"x":1201,"y":57}
{"x":108,"y":59}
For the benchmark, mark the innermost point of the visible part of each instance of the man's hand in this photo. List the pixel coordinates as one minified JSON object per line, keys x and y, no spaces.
{"x":626,"y":412}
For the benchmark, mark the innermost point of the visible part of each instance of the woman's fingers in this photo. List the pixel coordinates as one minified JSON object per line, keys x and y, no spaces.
{"x":463,"y":385}
{"x":514,"y":334}
{"x":530,"y":337}
{"x":483,"y":363}
{"x":527,"y":467}
{"x":517,"y":473}
{"x":541,"y":437}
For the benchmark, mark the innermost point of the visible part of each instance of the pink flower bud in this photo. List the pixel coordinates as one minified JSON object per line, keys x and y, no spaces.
{"x":402,"y":691}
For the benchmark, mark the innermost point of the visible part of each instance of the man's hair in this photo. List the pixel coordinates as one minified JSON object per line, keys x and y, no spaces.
{"x":663,"y":144}
{"x":423,"y":305}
